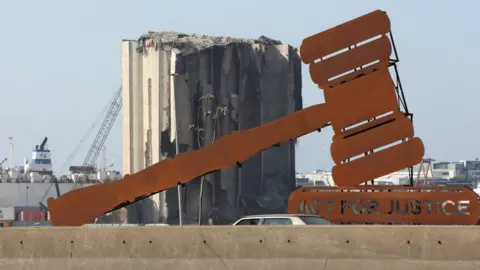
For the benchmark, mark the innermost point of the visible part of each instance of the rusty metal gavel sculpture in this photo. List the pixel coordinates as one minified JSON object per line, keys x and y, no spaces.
{"x":353,"y":103}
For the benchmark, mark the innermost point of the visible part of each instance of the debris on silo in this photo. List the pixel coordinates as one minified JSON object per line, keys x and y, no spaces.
{"x":191,"y":43}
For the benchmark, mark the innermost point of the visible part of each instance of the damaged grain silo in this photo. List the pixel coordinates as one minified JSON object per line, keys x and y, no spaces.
{"x":198,"y":88}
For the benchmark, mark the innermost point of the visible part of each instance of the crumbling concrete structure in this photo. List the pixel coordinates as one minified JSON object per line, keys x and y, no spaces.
{"x":195,"y":89}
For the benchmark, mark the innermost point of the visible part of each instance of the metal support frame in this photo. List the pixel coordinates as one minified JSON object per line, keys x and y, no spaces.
{"x":402,"y":102}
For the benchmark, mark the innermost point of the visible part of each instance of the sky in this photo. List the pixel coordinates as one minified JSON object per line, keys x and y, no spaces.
{"x":60,"y":64}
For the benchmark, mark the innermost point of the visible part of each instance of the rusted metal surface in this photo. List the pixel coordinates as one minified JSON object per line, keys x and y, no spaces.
{"x":80,"y":206}
{"x":389,"y":204}
{"x":367,"y":93}
{"x":400,"y":127}
{"x":344,"y":35}
{"x":350,"y":101}
{"x":361,"y":99}
{"x":378,"y":164}
{"x":379,"y":49}
{"x":355,"y":74}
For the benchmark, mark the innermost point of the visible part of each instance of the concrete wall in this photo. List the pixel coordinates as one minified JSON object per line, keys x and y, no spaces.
{"x":276,"y":248}
{"x":217,"y":85}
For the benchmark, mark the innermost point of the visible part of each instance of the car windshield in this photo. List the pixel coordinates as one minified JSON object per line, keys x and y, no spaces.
{"x":313,"y":220}
{"x":249,"y":221}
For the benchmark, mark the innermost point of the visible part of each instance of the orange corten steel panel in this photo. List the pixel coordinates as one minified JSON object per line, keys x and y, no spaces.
{"x":344,"y":35}
{"x":379,"y":163}
{"x":361,"y":99}
{"x":356,"y":74}
{"x":425,"y":205}
{"x":379,"y":49}
{"x":345,"y":148}
{"x":368,"y":125}
{"x":353,"y":102}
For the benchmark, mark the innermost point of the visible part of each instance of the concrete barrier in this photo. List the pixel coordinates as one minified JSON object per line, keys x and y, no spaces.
{"x":211,"y":247}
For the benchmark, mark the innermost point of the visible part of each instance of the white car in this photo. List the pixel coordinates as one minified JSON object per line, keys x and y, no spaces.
{"x":281,"y":219}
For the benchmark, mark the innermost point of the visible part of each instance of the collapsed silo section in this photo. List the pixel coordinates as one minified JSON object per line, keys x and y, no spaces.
{"x":195,"y":89}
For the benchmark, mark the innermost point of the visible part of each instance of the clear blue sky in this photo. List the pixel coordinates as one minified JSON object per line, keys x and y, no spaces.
{"x":60,"y":64}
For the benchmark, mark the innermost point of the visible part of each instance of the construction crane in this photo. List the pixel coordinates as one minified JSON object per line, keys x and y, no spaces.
{"x":57,"y":189}
{"x":104,"y":130}
{"x":95,"y":149}
{"x":102,"y":134}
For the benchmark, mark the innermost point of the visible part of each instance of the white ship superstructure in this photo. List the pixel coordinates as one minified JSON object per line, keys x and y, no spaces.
{"x":39,"y":169}
{"x":34,"y":182}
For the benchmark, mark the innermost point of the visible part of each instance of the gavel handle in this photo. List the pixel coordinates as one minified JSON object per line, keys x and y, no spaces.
{"x":81,"y":206}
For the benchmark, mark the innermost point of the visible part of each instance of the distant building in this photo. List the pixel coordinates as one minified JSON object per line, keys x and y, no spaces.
{"x":317,"y":178}
{"x":443,"y":173}
{"x":473,"y":169}
{"x":448,"y":170}
{"x":449,"y":165}
{"x":472,"y":164}
{"x":302,"y":181}
{"x":473,"y":174}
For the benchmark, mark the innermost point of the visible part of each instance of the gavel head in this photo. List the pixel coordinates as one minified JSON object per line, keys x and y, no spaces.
{"x":373,"y":137}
